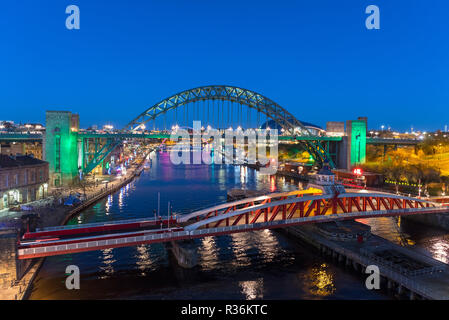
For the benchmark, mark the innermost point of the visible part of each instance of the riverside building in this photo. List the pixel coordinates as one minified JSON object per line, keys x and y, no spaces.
{"x":23,"y":179}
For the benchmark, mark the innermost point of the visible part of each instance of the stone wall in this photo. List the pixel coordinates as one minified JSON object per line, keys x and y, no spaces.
{"x":11,"y":269}
{"x":61,"y":146}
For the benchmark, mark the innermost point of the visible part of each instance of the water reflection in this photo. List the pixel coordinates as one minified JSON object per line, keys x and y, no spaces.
{"x":239,"y":245}
{"x":321,"y":281}
{"x":108,"y":204}
{"x":268,"y":244}
{"x":272,"y":184}
{"x":143,"y":260}
{"x":107,"y":263}
{"x":252,"y":289}
{"x":120,"y":198}
{"x":208,"y":253}
{"x":243,"y":176}
{"x":440,"y":249}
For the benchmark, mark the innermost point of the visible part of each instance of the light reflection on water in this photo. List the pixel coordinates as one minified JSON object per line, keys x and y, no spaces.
{"x":252,"y":289}
{"x":108,"y":260}
{"x":208,"y":254}
{"x":321,"y":281}
{"x":143,"y":259}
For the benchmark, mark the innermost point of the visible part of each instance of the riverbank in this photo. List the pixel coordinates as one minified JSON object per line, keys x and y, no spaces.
{"x":60,"y":215}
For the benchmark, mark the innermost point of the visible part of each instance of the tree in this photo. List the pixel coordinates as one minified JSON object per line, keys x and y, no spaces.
{"x":394,"y":173}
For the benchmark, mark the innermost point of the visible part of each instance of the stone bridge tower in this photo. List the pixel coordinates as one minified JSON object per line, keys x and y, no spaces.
{"x":61,"y":146}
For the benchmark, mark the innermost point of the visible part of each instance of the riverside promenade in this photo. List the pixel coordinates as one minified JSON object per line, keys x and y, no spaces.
{"x":12,"y":289}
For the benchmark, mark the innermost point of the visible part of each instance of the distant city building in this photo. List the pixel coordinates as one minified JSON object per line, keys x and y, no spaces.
{"x":22,"y":148}
{"x":10,"y":126}
{"x":312,"y":128}
{"x":335,"y":128}
{"x":22,"y":179}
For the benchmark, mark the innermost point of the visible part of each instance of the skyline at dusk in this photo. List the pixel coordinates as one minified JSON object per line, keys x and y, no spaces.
{"x":217,"y":158}
{"x":316,"y":60}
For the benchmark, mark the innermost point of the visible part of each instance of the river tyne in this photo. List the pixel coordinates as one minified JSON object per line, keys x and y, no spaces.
{"x":254,"y":265}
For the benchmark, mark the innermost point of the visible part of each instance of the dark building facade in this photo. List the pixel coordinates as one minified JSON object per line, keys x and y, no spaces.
{"x":23,"y":179}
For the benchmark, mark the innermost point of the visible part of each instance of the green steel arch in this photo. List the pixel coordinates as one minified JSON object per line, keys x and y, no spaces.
{"x":225,"y":93}
{"x":242,"y":96}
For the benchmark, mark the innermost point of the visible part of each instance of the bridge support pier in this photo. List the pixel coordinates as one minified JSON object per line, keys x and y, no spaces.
{"x":185,"y":253}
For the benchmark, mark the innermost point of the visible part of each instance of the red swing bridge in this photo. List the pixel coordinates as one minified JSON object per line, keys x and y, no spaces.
{"x":276,"y":210}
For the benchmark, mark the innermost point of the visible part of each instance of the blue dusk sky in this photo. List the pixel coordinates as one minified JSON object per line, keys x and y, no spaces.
{"x":315,"y":58}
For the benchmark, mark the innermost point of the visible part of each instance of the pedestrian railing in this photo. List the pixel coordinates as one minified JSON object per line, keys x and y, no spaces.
{"x":400,"y":269}
{"x":92,"y":245}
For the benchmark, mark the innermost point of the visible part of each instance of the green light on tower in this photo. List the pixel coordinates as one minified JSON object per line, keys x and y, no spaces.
{"x":61,"y":146}
{"x":357,"y":135}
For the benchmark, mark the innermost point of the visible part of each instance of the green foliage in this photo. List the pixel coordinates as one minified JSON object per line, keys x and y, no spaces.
{"x":413,"y":173}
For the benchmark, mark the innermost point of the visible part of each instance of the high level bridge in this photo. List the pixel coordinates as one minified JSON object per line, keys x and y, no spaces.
{"x":277,"y":210}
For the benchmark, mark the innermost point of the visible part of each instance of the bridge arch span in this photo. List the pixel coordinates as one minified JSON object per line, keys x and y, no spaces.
{"x":239,"y":95}
{"x":251,"y":99}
